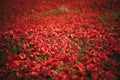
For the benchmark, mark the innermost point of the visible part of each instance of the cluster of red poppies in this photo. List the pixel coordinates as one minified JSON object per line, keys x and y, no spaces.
{"x":59,"y":40}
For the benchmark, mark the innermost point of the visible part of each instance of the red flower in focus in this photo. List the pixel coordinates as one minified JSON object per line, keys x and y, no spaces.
{"x":22,"y":55}
{"x":66,"y":59}
{"x":33,"y":73}
{"x":64,"y":76}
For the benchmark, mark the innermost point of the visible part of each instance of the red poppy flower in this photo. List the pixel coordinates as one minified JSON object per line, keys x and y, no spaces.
{"x":22,"y":55}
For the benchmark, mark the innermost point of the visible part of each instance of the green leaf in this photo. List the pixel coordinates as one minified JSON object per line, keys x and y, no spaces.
{"x":63,"y":9}
{"x":15,"y":50}
{"x":86,"y":69}
{"x":54,"y":13}
{"x":115,"y":14}
{"x":22,"y":40}
{"x":59,"y":70}
{"x":102,"y":18}
{"x":82,"y":51}
{"x":45,"y":57}
{"x":2,"y":54}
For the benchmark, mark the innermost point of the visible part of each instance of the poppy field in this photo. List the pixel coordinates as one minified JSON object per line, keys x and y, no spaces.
{"x":59,"y":40}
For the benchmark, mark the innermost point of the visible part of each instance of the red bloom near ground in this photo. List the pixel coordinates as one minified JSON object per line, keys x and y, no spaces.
{"x":59,"y":40}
